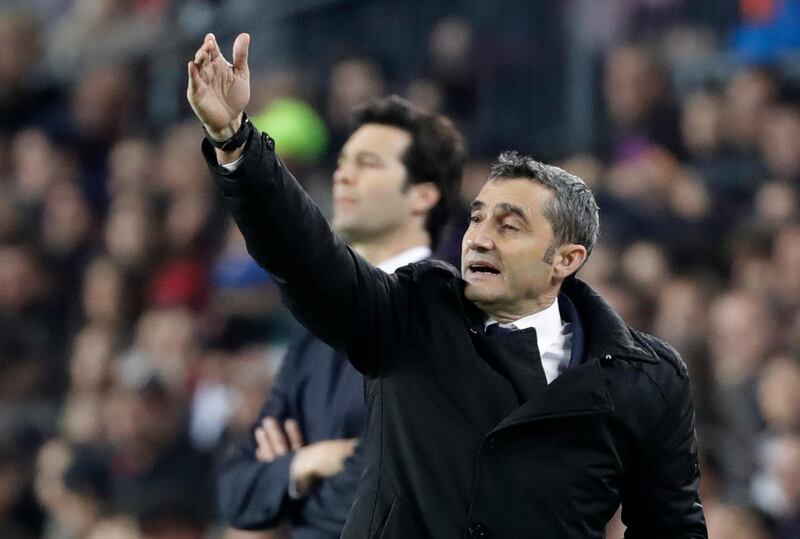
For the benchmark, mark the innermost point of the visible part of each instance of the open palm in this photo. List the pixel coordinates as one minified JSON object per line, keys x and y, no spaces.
{"x":218,"y":91}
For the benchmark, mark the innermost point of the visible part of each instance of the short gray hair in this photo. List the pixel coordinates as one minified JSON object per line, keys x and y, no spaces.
{"x":573,"y":212}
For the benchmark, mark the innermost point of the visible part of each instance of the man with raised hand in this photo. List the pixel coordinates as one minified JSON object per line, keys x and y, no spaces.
{"x":396,"y":176}
{"x":512,"y":402}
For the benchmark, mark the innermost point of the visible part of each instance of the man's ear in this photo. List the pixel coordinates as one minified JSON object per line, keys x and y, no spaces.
{"x":424,"y":196}
{"x":568,"y":259}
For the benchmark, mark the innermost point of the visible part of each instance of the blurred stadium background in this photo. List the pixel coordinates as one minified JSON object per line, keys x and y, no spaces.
{"x":136,"y":335}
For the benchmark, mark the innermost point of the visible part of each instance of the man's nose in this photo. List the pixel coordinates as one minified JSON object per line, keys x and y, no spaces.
{"x":343,"y":174}
{"x":480,"y":239}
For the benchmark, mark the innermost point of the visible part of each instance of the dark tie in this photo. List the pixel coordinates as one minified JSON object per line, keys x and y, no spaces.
{"x":497,"y":329}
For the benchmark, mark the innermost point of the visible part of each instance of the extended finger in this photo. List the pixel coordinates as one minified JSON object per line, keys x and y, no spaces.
{"x":200,"y":55}
{"x":241,"y":48}
{"x":264,"y":452}
{"x":194,"y":77}
{"x":294,"y":434}
{"x":277,"y":438}
{"x":210,"y":44}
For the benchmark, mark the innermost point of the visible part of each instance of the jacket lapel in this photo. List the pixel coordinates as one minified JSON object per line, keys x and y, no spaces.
{"x":579,"y":391}
{"x":516,"y":357}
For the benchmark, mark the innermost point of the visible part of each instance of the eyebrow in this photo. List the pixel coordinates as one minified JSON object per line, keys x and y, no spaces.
{"x":361,"y":154}
{"x":516,"y":210}
{"x":505,"y":206}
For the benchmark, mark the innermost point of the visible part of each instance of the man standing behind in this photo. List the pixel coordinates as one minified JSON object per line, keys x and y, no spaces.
{"x":396,"y":175}
{"x":513,"y":402}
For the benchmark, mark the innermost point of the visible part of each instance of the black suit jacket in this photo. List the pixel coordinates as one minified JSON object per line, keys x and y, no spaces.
{"x":318,"y":388}
{"x":451,"y":450}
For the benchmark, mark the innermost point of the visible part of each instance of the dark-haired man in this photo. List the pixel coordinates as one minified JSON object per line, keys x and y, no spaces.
{"x":396,"y":176}
{"x":511,"y":403}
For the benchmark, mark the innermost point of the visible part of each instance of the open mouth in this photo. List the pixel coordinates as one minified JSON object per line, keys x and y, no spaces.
{"x":483,"y":268}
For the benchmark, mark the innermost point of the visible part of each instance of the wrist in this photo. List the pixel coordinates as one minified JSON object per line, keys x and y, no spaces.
{"x":227,"y":132}
{"x":300,"y":478}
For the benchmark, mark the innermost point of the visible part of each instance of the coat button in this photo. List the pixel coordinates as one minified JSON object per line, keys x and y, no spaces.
{"x":476,"y":529}
{"x":492,"y":443}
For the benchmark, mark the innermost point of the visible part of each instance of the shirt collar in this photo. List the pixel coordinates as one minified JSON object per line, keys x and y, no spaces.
{"x":547,"y":323}
{"x":415,"y":254}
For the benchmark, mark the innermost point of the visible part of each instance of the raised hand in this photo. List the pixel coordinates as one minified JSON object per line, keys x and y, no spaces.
{"x":218,"y":91}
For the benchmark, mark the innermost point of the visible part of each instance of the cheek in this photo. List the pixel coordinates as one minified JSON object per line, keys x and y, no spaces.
{"x":526,"y":266}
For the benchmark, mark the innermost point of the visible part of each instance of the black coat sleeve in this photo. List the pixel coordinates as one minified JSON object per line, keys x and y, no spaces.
{"x":335,"y":293}
{"x":661,"y":499}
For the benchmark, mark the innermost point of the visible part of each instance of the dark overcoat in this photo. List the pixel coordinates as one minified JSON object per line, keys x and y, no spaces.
{"x":464,"y":438}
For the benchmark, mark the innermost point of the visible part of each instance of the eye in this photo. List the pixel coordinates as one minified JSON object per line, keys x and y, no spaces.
{"x":368,"y":163}
{"x":475,"y":218}
{"x":510,"y":227}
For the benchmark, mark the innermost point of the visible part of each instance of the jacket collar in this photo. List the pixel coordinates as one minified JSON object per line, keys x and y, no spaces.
{"x":605,"y":333}
{"x":570,"y":314}
{"x":581,"y":390}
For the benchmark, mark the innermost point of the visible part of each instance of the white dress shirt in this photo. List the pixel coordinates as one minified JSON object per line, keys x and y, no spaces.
{"x":553,"y":336}
{"x":415,"y":254}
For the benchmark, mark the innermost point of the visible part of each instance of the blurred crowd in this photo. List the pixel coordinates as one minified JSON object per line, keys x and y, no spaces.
{"x":137,"y":336}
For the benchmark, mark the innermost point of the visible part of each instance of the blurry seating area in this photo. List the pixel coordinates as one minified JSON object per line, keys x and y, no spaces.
{"x":137,"y":336}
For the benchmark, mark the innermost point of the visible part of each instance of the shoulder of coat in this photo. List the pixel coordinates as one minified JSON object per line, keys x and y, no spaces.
{"x":663,"y":353}
{"x":430,"y":269}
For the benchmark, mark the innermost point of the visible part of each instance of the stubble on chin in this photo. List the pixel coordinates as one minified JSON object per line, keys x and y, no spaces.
{"x":480,"y":298}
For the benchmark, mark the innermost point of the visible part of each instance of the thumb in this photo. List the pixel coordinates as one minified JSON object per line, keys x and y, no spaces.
{"x":240,"y":49}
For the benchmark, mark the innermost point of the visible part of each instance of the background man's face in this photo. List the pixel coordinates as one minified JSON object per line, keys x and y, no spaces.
{"x":502,"y":253}
{"x":369,"y":194}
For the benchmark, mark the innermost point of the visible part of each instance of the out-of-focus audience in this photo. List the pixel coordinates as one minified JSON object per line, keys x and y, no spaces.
{"x":137,"y":336}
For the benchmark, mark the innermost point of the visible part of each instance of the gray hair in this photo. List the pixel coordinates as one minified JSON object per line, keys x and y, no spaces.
{"x":573,"y":212}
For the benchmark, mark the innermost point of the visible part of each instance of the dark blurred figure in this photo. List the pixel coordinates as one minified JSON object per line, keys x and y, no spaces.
{"x":451,"y":67}
{"x":779,"y":140}
{"x":24,"y":95}
{"x":352,"y":81}
{"x":746,"y":96}
{"x":787,"y":468}
{"x":742,"y":334}
{"x":20,"y":518}
{"x":87,"y":491}
{"x":786,"y":257}
{"x":152,"y":463}
{"x":103,"y":108}
{"x":31,"y":362}
{"x":637,"y":92}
